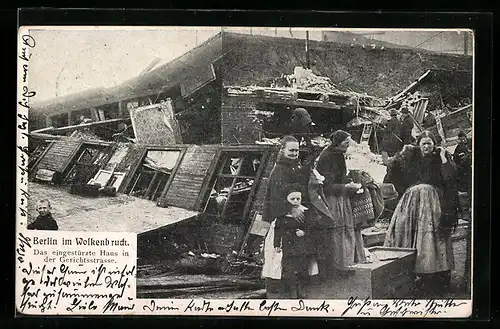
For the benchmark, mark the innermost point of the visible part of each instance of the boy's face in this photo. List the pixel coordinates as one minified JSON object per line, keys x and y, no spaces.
{"x":43,"y":208}
{"x":295,"y":198}
{"x":291,"y":150}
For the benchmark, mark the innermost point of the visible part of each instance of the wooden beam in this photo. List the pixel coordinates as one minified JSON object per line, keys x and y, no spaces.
{"x":410,"y":87}
{"x":300,"y":102}
{"x":86,"y":125}
{"x":45,"y":136}
{"x":42,"y":130}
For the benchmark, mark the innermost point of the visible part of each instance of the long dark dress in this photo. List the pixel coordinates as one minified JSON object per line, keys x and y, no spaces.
{"x":342,"y":243}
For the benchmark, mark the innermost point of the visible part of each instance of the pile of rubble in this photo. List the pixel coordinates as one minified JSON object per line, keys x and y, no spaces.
{"x":360,"y":157}
{"x":362,"y":152}
{"x":307,"y":80}
{"x":85,"y":134}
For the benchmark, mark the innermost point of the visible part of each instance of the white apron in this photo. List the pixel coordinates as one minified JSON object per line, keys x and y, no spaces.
{"x":272,"y":259}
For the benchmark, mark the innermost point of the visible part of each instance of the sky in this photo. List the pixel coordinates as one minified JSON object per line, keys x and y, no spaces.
{"x":67,"y":60}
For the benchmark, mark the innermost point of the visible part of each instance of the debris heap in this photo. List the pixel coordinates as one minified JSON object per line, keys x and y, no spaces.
{"x":307,"y":80}
{"x":85,"y":134}
{"x":360,"y":157}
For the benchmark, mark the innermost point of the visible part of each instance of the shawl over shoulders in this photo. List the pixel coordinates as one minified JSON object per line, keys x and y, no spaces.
{"x":285,"y":172}
{"x":331,"y":164}
{"x":410,"y":168}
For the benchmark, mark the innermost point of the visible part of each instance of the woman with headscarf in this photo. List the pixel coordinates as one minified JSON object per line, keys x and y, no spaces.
{"x":286,"y":171}
{"x":340,"y":243}
{"x":427,"y":212}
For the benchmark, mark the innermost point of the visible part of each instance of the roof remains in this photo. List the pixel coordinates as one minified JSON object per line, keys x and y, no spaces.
{"x":257,"y":60}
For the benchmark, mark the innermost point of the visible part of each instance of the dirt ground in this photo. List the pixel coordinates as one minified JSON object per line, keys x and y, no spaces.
{"x":126,"y":213}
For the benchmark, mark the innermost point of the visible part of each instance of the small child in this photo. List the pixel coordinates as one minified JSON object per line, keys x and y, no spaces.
{"x":44,"y":220}
{"x":289,"y":238}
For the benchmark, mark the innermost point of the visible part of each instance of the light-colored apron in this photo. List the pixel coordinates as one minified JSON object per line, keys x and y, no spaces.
{"x":272,"y":259}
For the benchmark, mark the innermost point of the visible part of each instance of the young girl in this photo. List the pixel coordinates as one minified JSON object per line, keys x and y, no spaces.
{"x":291,"y":239}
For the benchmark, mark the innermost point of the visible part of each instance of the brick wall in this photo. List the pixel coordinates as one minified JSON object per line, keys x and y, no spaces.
{"x":237,"y":120}
{"x":59,"y":154}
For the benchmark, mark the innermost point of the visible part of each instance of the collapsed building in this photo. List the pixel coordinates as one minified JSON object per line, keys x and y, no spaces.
{"x":199,"y":136}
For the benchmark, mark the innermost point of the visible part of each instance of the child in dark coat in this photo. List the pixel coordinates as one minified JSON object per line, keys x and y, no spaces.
{"x":44,"y":220}
{"x":292,"y":239}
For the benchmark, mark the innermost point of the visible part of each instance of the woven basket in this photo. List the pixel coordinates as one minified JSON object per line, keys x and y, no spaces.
{"x":362,"y":209}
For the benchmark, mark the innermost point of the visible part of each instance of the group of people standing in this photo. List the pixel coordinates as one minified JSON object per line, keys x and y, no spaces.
{"x":312,"y":226}
{"x":398,"y":131}
{"x":313,"y":231}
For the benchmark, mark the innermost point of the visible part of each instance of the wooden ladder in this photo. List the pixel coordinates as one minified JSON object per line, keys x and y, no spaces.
{"x":367,"y":131}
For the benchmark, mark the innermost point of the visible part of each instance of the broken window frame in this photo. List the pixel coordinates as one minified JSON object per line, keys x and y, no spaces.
{"x":105,"y":153}
{"x":217,"y":173}
{"x":128,"y":188}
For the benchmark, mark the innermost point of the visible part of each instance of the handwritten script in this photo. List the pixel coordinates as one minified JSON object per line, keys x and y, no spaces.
{"x":90,"y":284}
{"x":400,"y":307}
{"x":27,"y":43}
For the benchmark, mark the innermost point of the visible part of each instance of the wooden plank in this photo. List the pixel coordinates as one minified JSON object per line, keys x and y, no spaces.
{"x":161,"y":200}
{"x":410,"y":87}
{"x":71,"y":128}
{"x":35,"y":165}
{"x":306,"y":103}
{"x":206,"y":186}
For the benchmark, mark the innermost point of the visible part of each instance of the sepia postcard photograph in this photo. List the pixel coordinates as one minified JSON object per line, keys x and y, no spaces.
{"x":245,"y":171}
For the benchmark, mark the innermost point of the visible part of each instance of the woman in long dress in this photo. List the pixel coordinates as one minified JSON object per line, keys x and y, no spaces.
{"x":427,"y":212}
{"x":341,"y":242}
